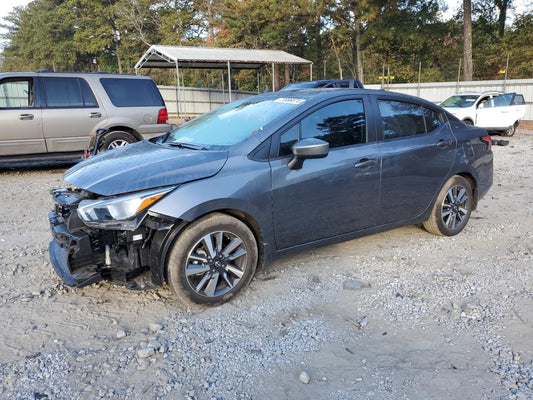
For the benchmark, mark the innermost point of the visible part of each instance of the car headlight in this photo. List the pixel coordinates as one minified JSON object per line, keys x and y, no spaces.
{"x":123,"y":212}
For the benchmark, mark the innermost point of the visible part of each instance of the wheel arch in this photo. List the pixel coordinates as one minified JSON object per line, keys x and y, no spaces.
{"x":164,"y":241}
{"x":127,"y":129}
{"x":473,"y":183}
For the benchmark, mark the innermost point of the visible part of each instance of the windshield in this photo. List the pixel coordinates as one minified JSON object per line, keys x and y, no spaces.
{"x":232,"y":123}
{"x":462,"y":101}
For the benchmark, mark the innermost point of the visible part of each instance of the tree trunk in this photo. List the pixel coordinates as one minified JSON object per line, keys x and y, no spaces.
{"x":467,"y":43}
{"x":502,"y":8}
{"x":318,"y":46}
{"x":358,"y":53}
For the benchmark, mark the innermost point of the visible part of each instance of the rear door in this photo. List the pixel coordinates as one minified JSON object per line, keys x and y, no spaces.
{"x":518,"y":106}
{"x":20,"y":117}
{"x":329,"y":196}
{"x":418,"y":150}
{"x":70,"y":113}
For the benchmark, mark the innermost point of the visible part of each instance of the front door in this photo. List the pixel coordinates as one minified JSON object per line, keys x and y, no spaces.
{"x":331,"y":196}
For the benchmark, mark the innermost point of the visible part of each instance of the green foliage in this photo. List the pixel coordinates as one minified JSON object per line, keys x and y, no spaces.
{"x":352,"y":37}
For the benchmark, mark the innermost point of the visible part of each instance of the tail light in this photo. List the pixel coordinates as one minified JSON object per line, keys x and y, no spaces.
{"x":162,"y":117}
{"x":487,"y":139}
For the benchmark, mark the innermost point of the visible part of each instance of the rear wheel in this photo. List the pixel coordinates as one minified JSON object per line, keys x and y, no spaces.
{"x":468,"y":122}
{"x":117,"y":139}
{"x":212,"y":260}
{"x":452,"y":208}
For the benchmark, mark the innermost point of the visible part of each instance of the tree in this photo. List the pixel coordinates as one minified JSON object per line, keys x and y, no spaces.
{"x":349,"y":17}
{"x":39,"y":38}
{"x":467,"y":41}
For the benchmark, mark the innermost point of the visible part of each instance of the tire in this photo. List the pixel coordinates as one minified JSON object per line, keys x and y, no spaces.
{"x":212,"y":260}
{"x":117,"y":139}
{"x":511,"y":130}
{"x":468,"y":122}
{"x":452,"y":208}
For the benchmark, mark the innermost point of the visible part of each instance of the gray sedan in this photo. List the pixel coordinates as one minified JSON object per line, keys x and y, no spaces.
{"x":203,"y":206}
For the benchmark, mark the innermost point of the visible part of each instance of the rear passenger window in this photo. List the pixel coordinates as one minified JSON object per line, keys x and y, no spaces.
{"x":401,"y":119}
{"x":87,"y":94}
{"x":125,"y":92}
{"x":433,"y":119}
{"x":67,"y":93}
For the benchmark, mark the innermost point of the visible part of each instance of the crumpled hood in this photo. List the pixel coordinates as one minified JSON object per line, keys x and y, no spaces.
{"x":143,"y":165}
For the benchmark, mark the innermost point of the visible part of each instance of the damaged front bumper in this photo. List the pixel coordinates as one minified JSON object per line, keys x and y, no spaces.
{"x":82,"y":255}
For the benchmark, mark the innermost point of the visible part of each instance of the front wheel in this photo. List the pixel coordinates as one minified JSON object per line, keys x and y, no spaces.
{"x":511,"y":130}
{"x":452,"y":208}
{"x":213,"y":259}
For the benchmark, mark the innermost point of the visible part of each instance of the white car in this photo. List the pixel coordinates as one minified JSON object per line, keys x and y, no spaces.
{"x":494,"y":111}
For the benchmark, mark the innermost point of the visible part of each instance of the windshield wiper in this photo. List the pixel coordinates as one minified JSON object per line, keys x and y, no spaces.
{"x":185,"y":145}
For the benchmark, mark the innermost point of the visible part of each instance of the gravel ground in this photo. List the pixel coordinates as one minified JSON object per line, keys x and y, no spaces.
{"x":399,"y":315}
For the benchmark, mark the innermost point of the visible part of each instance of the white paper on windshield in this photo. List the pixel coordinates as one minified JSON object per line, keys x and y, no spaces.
{"x":289,"y":100}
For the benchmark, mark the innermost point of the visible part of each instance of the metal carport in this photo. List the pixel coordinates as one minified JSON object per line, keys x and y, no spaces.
{"x":216,"y":58}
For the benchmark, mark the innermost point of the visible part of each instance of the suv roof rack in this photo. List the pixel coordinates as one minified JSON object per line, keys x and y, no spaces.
{"x":326,"y":83}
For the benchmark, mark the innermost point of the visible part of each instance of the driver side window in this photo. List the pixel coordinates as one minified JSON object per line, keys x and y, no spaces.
{"x":340,"y":124}
{"x":17,"y":93}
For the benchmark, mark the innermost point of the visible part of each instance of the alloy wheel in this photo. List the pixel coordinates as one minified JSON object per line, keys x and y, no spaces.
{"x":216,"y":263}
{"x":117,"y":143}
{"x":455,"y":207}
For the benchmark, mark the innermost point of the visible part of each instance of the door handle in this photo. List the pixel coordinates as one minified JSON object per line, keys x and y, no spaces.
{"x":25,"y":117}
{"x":95,"y":115}
{"x":442,"y":144}
{"x":365,"y":162}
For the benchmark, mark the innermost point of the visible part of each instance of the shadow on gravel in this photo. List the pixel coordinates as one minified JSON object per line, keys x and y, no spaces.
{"x":35,"y":166}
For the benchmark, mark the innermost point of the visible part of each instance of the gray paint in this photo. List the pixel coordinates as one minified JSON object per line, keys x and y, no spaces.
{"x":143,"y":165}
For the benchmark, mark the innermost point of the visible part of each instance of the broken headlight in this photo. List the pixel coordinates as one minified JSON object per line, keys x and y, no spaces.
{"x":123,"y":212}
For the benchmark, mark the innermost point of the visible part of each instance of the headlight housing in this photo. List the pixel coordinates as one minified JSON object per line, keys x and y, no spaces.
{"x":119,"y":213}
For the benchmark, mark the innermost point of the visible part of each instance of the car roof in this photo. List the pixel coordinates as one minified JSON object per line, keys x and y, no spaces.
{"x":321,"y":94}
{"x":70,"y":73}
{"x":478,"y":93}
{"x":331,"y":92}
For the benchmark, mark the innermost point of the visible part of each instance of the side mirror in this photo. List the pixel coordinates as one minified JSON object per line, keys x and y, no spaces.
{"x":307,"y":148}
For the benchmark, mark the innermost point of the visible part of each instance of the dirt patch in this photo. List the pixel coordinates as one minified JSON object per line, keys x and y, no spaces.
{"x":402,"y":314}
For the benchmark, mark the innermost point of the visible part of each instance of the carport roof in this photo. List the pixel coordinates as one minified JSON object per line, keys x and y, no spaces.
{"x":214,"y":58}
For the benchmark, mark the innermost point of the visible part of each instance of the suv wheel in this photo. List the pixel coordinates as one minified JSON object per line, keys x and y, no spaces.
{"x":117,"y":139}
{"x":511,"y":130}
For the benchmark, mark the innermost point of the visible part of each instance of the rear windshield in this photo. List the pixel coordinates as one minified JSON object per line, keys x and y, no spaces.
{"x":462,"y":101}
{"x":132,"y":92}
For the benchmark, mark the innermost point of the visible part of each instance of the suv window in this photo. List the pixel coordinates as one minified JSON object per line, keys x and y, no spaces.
{"x":132,"y":92}
{"x":401,"y":119}
{"x":518,"y":100}
{"x":340,"y":124}
{"x":67,"y":93}
{"x":503,"y":100}
{"x":17,"y":93}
